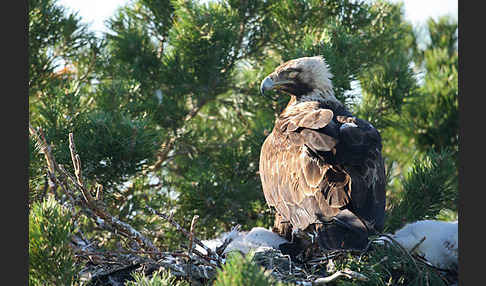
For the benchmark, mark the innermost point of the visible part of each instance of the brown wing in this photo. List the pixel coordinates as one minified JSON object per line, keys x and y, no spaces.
{"x":297,"y":182}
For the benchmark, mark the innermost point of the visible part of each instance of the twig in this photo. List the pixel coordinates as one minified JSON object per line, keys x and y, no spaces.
{"x":52,"y":166}
{"x":200,"y":261}
{"x":346,"y":273}
{"x":417,"y":245}
{"x":211,"y":254}
{"x":191,"y":233}
{"x":76,"y":160}
{"x":44,"y":148}
{"x":220,"y":249}
{"x":403,"y":250}
{"x":323,"y":258}
{"x":205,"y":257}
{"x":385,"y":258}
{"x":290,"y":263}
{"x":424,"y":261}
{"x":191,"y":240}
{"x":95,"y":206}
{"x":77,"y":171}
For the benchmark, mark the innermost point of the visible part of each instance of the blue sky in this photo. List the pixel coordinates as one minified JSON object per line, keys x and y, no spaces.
{"x":96,"y":12}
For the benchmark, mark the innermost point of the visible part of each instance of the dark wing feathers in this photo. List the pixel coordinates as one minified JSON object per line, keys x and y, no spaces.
{"x":362,"y":134}
{"x":302,"y":185}
{"x":348,"y":229}
{"x":357,"y":138}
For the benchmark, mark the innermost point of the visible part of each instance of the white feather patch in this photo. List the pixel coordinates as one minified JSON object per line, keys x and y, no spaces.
{"x":245,"y":241}
{"x":440,"y":246}
{"x":347,"y":125}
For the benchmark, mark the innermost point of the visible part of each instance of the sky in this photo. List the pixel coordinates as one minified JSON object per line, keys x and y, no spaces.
{"x":418,"y":11}
{"x":95,"y":12}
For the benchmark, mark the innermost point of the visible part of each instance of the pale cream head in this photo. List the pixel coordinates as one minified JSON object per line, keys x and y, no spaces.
{"x":307,"y":78}
{"x":315,"y":71}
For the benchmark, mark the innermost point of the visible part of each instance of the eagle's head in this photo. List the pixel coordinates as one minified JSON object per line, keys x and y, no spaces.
{"x":306,"y":78}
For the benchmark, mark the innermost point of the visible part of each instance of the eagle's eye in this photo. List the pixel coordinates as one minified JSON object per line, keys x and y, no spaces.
{"x":293,"y":74}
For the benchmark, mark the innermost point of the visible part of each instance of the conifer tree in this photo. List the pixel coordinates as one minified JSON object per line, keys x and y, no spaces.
{"x":166,"y":112}
{"x":435,"y":109}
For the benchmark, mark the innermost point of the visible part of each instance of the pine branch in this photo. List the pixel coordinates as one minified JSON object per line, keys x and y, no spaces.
{"x":211,"y":254}
{"x":97,"y":207}
{"x":429,"y":188}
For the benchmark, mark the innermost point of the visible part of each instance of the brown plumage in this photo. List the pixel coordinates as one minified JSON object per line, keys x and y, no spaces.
{"x":321,"y":167}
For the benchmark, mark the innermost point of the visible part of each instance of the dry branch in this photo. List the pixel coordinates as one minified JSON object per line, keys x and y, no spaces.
{"x":199,"y":266}
{"x":220,"y":249}
{"x":342,"y":273}
{"x":417,"y":245}
{"x":58,"y":175}
{"x":190,"y":265}
{"x":191,"y":234}
{"x":211,"y":254}
{"x":191,"y":240}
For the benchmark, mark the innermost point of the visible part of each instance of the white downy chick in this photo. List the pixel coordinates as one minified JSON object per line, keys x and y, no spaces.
{"x":440,"y":246}
{"x":245,"y":241}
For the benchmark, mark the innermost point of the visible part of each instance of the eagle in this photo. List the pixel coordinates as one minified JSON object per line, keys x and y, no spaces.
{"x":321,"y":168}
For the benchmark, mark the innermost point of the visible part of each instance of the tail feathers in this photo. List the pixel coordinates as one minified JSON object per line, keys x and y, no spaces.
{"x":346,"y":231}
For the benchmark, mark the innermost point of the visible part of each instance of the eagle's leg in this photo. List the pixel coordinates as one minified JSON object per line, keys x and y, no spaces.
{"x":301,"y":246}
{"x":282,"y":227}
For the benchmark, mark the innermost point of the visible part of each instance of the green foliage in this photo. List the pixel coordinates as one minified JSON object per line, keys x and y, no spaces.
{"x":388,"y":264}
{"x":226,"y":193}
{"x":413,"y":100}
{"x":36,"y":164}
{"x":51,"y":260}
{"x":431,"y":186}
{"x":117,"y":142}
{"x":434,"y":110}
{"x":166,"y":112}
{"x":240,"y":271}
{"x":339,"y":29}
{"x":157,"y":278}
{"x":54,"y":36}
{"x":116,"y":145}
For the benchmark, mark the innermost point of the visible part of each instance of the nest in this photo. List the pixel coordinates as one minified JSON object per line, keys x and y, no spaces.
{"x":385,"y":260}
{"x":365,"y":267}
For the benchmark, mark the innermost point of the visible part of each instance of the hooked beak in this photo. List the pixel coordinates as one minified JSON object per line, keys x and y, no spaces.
{"x":267,"y":84}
